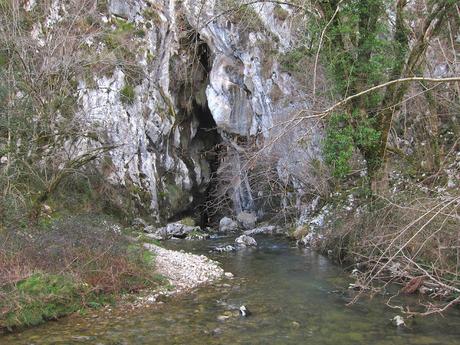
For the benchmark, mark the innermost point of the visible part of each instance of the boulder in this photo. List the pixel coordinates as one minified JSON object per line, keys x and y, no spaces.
{"x":177,"y":230}
{"x":247,"y":220}
{"x":227,"y":225}
{"x":245,"y":241}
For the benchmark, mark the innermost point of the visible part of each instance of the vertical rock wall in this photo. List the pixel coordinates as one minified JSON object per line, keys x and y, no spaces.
{"x":195,"y":62}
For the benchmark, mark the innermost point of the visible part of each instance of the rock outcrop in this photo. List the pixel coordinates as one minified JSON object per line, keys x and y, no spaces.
{"x":183,"y":89}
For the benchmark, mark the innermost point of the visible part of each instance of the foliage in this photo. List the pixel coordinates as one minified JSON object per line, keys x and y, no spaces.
{"x":361,"y":48}
{"x":342,"y":139}
{"x":189,"y":221}
{"x":127,"y":94}
{"x":291,"y":61}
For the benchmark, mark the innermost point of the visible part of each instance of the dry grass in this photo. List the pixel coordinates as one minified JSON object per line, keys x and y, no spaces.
{"x":81,"y":259}
{"x":411,"y":239}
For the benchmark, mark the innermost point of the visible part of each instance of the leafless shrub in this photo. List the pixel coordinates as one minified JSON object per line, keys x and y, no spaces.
{"x":91,"y":250}
{"x":411,"y":239}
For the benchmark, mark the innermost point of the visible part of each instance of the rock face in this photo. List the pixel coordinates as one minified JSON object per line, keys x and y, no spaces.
{"x":196,"y":79}
{"x":245,"y":241}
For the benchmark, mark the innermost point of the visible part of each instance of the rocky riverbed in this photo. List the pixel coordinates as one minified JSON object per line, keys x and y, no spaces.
{"x":185,"y":271}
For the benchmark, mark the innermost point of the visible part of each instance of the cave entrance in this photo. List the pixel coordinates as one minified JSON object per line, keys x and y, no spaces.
{"x":208,"y":136}
{"x":203,"y":146}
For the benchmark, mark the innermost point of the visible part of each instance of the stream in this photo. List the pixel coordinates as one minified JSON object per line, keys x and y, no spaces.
{"x":295,"y":295}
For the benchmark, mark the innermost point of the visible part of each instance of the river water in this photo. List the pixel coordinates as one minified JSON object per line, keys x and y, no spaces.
{"x":295,"y":295}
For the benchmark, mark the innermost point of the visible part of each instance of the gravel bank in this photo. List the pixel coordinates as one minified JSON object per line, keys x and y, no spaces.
{"x":185,"y":271}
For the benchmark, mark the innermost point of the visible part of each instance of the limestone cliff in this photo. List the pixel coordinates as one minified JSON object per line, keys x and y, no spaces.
{"x":195,"y":76}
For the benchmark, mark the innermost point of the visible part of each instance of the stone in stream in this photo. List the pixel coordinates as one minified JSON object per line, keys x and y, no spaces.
{"x":224,"y":249}
{"x":244,"y":311}
{"x":245,"y":241}
{"x":197,"y":235}
{"x":399,"y":321}
{"x":177,"y":230}
{"x":227,"y":225}
{"x":247,"y":220}
{"x":265,"y":230}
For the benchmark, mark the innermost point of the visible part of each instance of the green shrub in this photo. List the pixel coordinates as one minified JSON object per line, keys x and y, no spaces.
{"x":127,"y":94}
{"x":189,"y":221}
{"x":343,"y":138}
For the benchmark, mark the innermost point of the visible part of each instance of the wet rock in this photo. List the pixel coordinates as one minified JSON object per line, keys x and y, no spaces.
{"x":176,"y":230}
{"x":295,"y":324}
{"x":244,"y":311}
{"x":266,"y":230}
{"x":309,"y":240}
{"x":399,"y":321}
{"x":227,"y":225}
{"x":223,"y":318}
{"x":245,"y":241}
{"x":228,"y":275}
{"x":197,"y":235}
{"x":247,"y":220}
{"x":224,"y":249}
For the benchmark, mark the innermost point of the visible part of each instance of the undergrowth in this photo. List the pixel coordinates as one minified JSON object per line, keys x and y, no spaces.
{"x":68,"y":265}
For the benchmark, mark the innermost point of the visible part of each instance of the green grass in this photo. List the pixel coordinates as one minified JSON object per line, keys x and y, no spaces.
{"x":127,"y":94}
{"x":43,"y":297}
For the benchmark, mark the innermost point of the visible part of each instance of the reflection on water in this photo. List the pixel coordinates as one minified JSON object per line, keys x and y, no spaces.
{"x":295,"y":295}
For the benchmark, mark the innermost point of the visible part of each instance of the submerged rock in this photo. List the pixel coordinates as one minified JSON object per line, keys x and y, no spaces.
{"x":224,"y":249}
{"x":247,"y":220}
{"x":197,"y":235}
{"x":245,"y":241}
{"x":227,"y":225}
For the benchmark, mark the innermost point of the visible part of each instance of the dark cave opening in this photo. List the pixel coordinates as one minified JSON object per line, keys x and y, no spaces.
{"x":205,"y":148}
{"x":206,"y":143}
{"x":207,"y":133}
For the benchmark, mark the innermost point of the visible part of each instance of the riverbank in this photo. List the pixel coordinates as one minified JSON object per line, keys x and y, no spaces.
{"x":407,"y":237}
{"x":88,"y":262}
{"x":295,"y":295}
